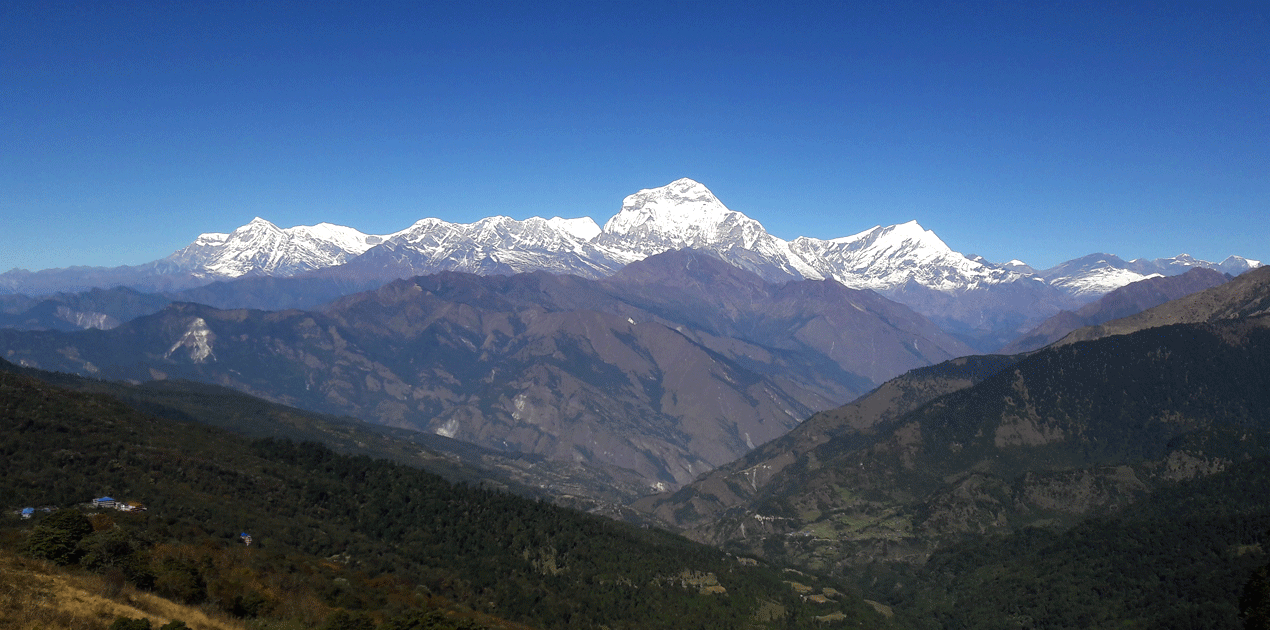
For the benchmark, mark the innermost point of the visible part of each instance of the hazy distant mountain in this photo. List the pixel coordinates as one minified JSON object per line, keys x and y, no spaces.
{"x":1127,"y":300}
{"x":1245,"y":296}
{"x":1122,"y":302}
{"x":677,"y":364}
{"x":1098,"y":274}
{"x":97,"y":308}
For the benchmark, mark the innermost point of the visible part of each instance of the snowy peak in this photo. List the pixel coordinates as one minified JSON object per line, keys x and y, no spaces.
{"x":260,"y":247}
{"x":345,"y":238}
{"x":681,"y":192}
{"x":1235,"y":265}
{"x":493,"y":245}
{"x":897,"y":240}
{"x":680,"y":215}
{"x":584,"y":228}
{"x":683,"y":213}
{"x":499,"y":232}
{"x":886,"y":258}
{"x":1097,"y":274}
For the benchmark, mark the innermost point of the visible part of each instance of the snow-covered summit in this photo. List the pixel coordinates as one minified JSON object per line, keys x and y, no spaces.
{"x":497,"y":244}
{"x":883,"y":258}
{"x":1235,"y":265}
{"x":500,"y":233}
{"x":260,"y":247}
{"x":584,"y":228}
{"x":1098,"y":274}
{"x":683,"y":213}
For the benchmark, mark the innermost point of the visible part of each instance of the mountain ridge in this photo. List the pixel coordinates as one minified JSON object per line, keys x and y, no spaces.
{"x":995,"y":302}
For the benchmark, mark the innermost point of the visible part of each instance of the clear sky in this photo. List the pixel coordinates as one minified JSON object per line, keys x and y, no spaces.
{"x":1035,"y":130}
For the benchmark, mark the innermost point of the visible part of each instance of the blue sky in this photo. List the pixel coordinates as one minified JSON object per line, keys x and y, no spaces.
{"x":1034,"y":130}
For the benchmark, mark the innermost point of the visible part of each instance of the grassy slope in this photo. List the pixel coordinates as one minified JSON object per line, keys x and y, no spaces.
{"x":37,"y":594}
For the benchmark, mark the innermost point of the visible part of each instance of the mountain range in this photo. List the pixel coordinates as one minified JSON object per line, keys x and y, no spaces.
{"x":986,"y":304}
{"x":1128,"y":300}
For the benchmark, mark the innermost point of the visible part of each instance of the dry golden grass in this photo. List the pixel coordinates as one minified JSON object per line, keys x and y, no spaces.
{"x":37,"y":595}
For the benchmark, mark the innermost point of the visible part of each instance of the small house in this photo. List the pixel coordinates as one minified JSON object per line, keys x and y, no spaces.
{"x":28,"y":512}
{"x":104,"y":502}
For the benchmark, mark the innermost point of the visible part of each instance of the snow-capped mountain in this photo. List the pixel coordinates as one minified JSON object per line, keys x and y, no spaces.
{"x":494,"y":245}
{"x":885,"y":258}
{"x":975,"y":298}
{"x":262,"y":248}
{"x":1096,"y":275}
{"x":685,"y":214}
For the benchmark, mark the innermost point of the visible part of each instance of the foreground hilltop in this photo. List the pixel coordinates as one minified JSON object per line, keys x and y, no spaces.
{"x":350,"y":537}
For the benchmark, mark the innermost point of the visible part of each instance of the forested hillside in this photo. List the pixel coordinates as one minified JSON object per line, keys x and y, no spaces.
{"x":335,"y":536}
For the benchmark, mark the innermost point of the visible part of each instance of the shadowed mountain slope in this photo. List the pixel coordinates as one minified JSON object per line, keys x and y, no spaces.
{"x":96,"y":308}
{"x":734,"y":485}
{"x":1049,"y":439}
{"x":592,"y":488}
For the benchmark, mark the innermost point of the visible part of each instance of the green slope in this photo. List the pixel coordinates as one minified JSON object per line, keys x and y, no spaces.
{"x":490,"y":551}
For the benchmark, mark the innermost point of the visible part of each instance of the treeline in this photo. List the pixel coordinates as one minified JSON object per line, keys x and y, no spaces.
{"x":355,"y":539}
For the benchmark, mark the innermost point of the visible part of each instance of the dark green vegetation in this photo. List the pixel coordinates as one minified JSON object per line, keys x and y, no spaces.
{"x":1166,"y":431}
{"x":1177,"y":559}
{"x":727,"y":489}
{"x":529,"y":475}
{"x":1120,"y":482}
{"x":352,"y":538}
